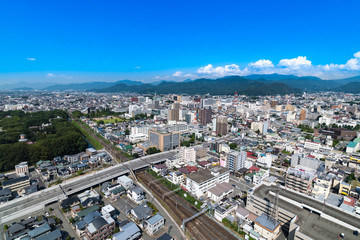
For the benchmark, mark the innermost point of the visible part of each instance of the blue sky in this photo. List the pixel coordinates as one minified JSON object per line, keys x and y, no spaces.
{"x":77,"y":41}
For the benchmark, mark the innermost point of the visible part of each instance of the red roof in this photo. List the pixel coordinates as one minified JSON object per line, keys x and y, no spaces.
{"x":204,"y":163}
{"x":311,"y":156}
{"x":350,"y":201}
{"x":253,"y":168}
{"x":191,"y":168}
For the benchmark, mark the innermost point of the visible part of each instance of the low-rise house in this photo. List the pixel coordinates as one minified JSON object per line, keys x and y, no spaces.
{"x":125,"y":181}
{"x":108,"y":210}
{"x":70,"y":202}
{"x":141,"y":212}
{"x":242,"y":213}
{"x":154,"y":223}
{"x":136,"y":194}
{"x":5,"y":195}
{"x":128,"y":232}
{"x":176,"y":177}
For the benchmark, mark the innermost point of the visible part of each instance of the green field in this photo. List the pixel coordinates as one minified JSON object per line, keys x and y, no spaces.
{"x":91,"y":140}
{"x":113,"y":120}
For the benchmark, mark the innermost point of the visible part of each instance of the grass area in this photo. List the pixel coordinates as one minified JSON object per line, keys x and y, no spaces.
{"x":180,"y":192}
{"x":113,"y":120}
{"x":96,"y":144}
{"x":235,"y":228}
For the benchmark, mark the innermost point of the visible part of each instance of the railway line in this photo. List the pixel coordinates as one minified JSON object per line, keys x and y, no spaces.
{"x":200,"y":228}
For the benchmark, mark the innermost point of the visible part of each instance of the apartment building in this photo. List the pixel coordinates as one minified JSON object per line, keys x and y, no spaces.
{"x":198,"y":183}
{"x":236,"y":160}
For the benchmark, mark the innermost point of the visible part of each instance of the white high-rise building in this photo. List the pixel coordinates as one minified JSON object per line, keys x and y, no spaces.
{"x":236,"y":160}
{"x":187,"y":154}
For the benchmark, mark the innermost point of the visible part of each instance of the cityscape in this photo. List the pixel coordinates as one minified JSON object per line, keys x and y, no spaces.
{"x":125,"y":121}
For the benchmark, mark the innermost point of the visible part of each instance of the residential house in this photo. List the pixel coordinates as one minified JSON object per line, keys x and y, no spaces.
{"x":154,"y":223}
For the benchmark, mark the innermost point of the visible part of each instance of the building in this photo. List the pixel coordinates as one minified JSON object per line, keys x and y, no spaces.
{"x":344,"y":188}
{"x":154,"y":223}
{"x":174,"y":115}
{"x":220,"y":191}
{"x":302,"y":116}
{"x":205,"y":116}
{"x":22,"y":169}
{"x":16,"y":184}
{"x":100,"y":228}
{"x":299,"y":179}
{"x":221,"y":125}
{"x":128,"y":232}
{"x":304,"y":161}
{"x":125,"y":181}
{"x":262,"y":127}
{"x":187,"y":154}
{"x":236,"y":160}
{"x":164,"y":139}
{"x":267,"y":226}
{"x":198,"y":183}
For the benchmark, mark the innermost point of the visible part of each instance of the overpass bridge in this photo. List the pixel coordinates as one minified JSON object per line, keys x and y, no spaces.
{"x":24,"y":206}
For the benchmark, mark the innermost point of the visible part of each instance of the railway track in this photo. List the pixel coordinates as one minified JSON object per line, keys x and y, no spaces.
{"x":200,"y":228}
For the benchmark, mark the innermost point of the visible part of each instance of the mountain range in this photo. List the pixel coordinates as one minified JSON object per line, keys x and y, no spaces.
{"x":258,"y":84}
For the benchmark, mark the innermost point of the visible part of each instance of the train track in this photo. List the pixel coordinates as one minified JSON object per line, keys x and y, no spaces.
{"x":114,"y":152}
{"x":200,"y":228}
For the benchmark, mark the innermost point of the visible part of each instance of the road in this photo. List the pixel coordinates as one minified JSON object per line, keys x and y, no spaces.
{"x":36,"y":201}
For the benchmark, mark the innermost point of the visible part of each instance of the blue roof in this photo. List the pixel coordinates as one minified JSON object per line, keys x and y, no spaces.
{"x":155,"y":219}
{"x":89,"y":217}
{"x":128,"y":231}
{"x":352,"y":144}
{"x":51,"y":235}
{"x":267,"y":222}
{"x":39,"y":230}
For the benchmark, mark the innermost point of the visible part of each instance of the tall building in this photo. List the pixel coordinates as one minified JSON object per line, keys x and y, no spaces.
{"x":174,"y":115}
{"x":302,"y":115}
{"x":187,"y":154}
{"x":205,"y":116}
{"x":164,"y":139}
{"x":261,"y":126}
{"x":236,"y":160}
{"x":221,"y":125}
{"x":157,"y":104}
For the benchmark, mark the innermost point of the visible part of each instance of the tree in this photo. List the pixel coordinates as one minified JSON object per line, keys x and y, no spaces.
{"x":152,"y":150}
{"x":6,"y":227}
{"x":135,"y":155}
{"x":127,"y":132}
{"x":233,"y":145}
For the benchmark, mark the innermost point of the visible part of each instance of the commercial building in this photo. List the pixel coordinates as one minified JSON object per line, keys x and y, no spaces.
{"x":163,"y":139}
{"x":302,"y":116}
{"x":262,"y":127}
{"x":198,"y":183}
{"x":221,"y":125}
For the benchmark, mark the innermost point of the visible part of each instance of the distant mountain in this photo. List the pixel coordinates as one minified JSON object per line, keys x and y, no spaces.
{"x":308,"y":83}
{"x":23,"y":89}
{"x":352,"y":87}
{"x":33,"y":85}
{"x":347,"y":80}
{"x":90,"y":85}
{"x":220,"y":86}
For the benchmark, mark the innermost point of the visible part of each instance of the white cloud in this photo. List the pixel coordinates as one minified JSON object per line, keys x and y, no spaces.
{"x":262,"y":63}
{"x":299,"y":66}
{"x":31,"y":59}
{"x":50,"y":75}
{"x":357,"y":55}
{"x":178,"y":74}
{"x":137,"y":67}
{"x":295,"y":63}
